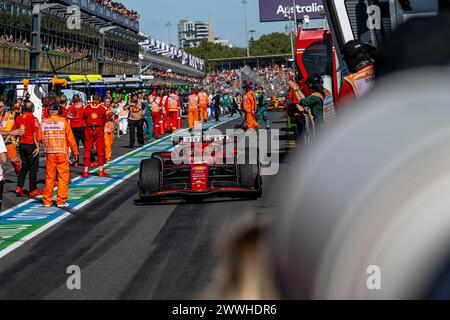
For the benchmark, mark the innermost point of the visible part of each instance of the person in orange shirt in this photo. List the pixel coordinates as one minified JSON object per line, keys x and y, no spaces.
{"x":109,"y":129}
{"x":203,"y":101}
{"x":173,"y":107}
{"x":6,"y":124}
{"x":193,"y":101}
{"x":250,"y":109}
{"x":56,"y":137}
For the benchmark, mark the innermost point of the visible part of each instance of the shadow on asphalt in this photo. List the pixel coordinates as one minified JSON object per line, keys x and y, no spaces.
{"x":141,"y":203}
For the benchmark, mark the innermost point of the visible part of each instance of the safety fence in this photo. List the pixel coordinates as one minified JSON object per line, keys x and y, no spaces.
{"x":254,"y":80}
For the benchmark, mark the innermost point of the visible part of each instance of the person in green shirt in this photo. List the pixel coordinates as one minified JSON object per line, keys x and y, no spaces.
{"x":262,"y":114}
{"x":226,"y":103}
{"x":148,"y":120}
{"x":315,"y":101}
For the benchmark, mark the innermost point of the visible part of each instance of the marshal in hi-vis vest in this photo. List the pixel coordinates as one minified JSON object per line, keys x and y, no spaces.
{"x":155,"y":104}
{"x":362,"y":81}
{"x":203,"y":99}
{"x":173,"y":103}
{"x":193,"y":101}
{"x":54,"y":135}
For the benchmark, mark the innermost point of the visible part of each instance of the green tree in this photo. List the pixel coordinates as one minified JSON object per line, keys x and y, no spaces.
{"x":271,"y":44}
{"x":207,"y":50}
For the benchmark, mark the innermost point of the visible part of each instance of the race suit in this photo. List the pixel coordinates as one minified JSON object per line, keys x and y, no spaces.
{"x":95,"y":119}
{"x":155,"y":106}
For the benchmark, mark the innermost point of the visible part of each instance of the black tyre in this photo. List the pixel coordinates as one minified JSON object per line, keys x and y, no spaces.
{"x":149,"y":178}
{"x":250,"y":178}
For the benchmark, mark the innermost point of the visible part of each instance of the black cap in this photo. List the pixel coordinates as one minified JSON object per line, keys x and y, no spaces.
{"x":54,"y":107}
{"x":357,"y":55}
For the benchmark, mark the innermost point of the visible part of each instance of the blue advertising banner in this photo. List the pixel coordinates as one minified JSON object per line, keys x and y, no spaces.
{"x":276,"y":10}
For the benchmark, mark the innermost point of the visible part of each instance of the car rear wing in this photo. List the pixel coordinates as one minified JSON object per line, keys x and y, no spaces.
{"x":202,"y":138}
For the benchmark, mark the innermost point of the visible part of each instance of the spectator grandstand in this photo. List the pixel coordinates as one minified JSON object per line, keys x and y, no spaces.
{"x":66,"y":44}
{"x":126,"y":51}
{"x":120,"y":8}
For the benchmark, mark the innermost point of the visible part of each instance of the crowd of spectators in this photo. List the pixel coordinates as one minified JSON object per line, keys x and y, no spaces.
{"x":274,"y":76}
{"x":166,"y":75}
{"x":120,"y":8}
{"x":223,"y":77}
{"x":277,"y":76}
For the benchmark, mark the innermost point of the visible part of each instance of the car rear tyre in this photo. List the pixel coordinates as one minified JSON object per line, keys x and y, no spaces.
{"x":149,"y":177}
{"x":249,"y":178}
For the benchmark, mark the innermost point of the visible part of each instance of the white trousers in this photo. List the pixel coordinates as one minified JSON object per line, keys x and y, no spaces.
{"x":123,"y":125}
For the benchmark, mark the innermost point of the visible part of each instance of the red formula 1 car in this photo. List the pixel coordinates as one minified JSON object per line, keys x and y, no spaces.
{"x":200,"y":167}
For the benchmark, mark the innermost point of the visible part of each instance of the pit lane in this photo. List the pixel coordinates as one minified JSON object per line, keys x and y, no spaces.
{"x":163,"y":251}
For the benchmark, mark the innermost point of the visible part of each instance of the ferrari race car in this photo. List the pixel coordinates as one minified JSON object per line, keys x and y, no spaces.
{"x":199,"y":167}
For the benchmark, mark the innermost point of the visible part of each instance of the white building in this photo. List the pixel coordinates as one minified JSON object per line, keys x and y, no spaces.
{"x":192,"y":33}
{"x":223,"y":42}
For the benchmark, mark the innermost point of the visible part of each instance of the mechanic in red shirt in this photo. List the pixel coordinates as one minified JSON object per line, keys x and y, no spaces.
{"x":361,"y":79}
{"x":75,"y":113}
{"x":95,"y":120}
{"x":28,"y":150}
{"x":63,"y":102}
{"x":52,"y":98}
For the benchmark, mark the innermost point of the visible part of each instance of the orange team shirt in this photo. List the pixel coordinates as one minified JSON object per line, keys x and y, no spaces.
{"x":30,"y":124}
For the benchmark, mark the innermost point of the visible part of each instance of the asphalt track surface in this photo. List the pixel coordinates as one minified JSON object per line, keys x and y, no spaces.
{"x":129,"y":251}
